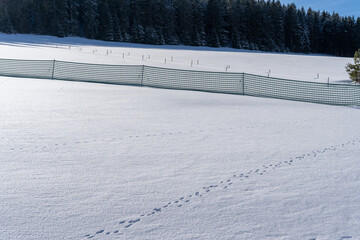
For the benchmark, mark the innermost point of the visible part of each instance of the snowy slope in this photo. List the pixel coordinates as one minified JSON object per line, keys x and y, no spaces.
{"x":82,"y":160}
{"x":289,"y":66}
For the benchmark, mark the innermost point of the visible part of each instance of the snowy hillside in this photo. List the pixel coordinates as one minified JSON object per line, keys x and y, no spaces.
{"x":94,"y":161}
{"x":289,"y":66}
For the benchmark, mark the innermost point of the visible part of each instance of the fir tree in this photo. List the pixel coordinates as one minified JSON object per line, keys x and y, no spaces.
{"x":5,"y":23}
{"x":137,"y":33}
{"x":90,"y":22}
{"x":168,"y":22}
{"x":354,"y":69}
{"x":304,"y":44}
{"x":314,"y":25}
{"x":253,"y":24}
{"x":72,"y":13}
{"x":278,"y":21}
{"x":117,"y":36}
{"x":106,"y":23}
{"x":292,"y":29}
{"x":184,"y":21}
{"x":215,"y":32}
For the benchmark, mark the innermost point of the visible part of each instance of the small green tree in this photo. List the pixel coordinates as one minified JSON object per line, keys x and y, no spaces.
{"x":354,"y":69}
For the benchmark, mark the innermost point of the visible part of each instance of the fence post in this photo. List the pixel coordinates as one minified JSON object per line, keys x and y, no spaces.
{"x":243,"y":84}
{"x":53,"y":69}
{"x":142,"y":75}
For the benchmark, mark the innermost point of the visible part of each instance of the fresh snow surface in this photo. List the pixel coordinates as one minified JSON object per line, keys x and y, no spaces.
{"x":289,"y":66}
{"x":84,"y":160}
{"x":79,"y":158}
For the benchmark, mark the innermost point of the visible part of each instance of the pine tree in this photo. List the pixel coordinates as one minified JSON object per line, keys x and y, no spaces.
{"x":215,"y":32}
{"x":293,"y":31}
{"x":326,"y":35}
{"x":278,"y":21}
{"x":267,"y":33}
{"x":72,"y":13}
{"x":354,"y":69}
{"x":116,"y":29}
{"x":168,"y":22}
{"x":184,"y":20}
{"x":137,"y":20}
{"x":357,"y":33}
{"x":120,"y":13}
{"x":137,"y":33}
{"x":252,"y":20}
{"x":106,"y":24}
{"x":197,"y":31}
{"x":304,"y":31}
{"x":5,"y":23}
{"x":90,"y":22}
{"x":315,"y":29}
{"x":237,"y":24}
{"x":253,"y":24}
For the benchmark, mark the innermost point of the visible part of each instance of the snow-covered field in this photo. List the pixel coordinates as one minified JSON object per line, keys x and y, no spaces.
{"x":316,"y":68}
{"x":83,"y":160}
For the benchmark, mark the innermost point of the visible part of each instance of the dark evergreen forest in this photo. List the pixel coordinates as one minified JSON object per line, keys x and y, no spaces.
{"x":249,"y":24}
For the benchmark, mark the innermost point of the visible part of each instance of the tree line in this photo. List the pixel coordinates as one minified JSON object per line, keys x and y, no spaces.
{"x":248,"y":24}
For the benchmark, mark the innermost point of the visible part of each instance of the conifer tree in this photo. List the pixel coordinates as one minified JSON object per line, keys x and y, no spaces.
{"x":354,"y":69}
{"x":5,"y":23}
{"x":197,"y":31}
{"x":167,"y":22}
{"x":314,"y":26}
{"x":304,"y":31}
{"x":184,"y":20}
{"x":117,"y":36}
{"x":292,"y":29}
{"x":278,"y":21}
{"x":215,"y":34}
{"x":72,"y":13}
{"x":106,"y":24}
{"x":253,"y":24}
{"x":90,"y":18}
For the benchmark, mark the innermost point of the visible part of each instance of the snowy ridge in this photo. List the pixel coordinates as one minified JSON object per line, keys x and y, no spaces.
{"x":303,"y":67}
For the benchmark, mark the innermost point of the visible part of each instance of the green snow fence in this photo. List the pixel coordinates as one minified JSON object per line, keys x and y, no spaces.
{"x":333,"y":94}
{"x":26,"y":68}
{"x":220,"y":82}
{"x":193,"y":80}
{"x":84,"y":72}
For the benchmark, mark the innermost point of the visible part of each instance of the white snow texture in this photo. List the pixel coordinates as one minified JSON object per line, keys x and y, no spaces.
{"x":96,"y":161}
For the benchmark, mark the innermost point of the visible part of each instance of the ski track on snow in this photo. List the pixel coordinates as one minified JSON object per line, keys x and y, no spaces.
{"x":224,"y":185}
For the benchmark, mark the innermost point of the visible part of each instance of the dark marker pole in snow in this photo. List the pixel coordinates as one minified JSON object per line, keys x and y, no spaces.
{"x":243,"y":83}
{"x":53,"y":70}
{"x":142,"y":75}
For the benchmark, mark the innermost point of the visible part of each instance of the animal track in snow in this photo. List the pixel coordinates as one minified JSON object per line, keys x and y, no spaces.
{"x":226,"y":184}
{"x":345,"y":237}
{"x":112,"y":139}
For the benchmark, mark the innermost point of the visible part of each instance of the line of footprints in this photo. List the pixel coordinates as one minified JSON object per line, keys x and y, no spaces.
{"x":224,"y":185}
{"x":131,"y":137}
{"x":113,"y":139}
